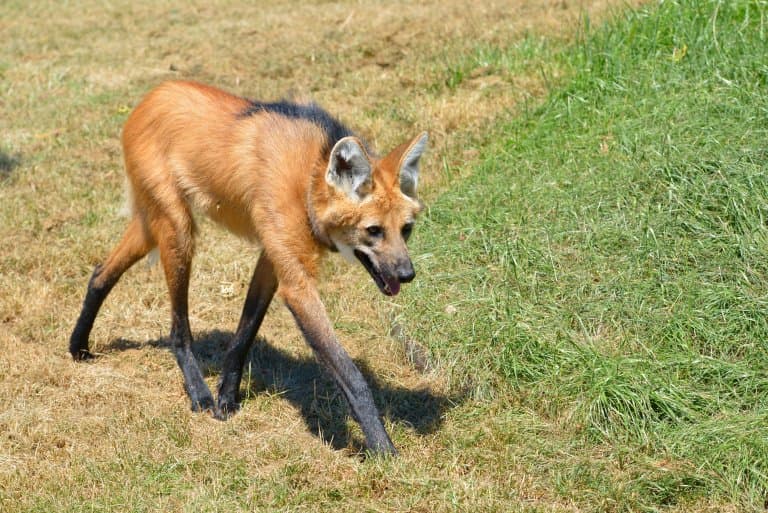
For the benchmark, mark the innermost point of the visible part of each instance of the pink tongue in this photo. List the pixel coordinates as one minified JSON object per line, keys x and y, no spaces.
{"x":393,"y":284}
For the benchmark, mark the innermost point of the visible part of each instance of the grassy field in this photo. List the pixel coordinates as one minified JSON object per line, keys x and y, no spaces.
{"x":586,"y":330}
{"x":604,"y":269}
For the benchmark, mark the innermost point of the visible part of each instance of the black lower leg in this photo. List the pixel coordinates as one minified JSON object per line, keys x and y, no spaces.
{"x":348,"y":377}
{"x":260,"y":293}
{"x":181,"y":339}
{"x":232,"y":374}
{"x":359,"y":398}
{"x":94,"y":297}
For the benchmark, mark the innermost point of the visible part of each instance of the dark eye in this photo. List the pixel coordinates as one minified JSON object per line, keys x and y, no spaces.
{"x":375,"y":231}
{"x":406,"y":231}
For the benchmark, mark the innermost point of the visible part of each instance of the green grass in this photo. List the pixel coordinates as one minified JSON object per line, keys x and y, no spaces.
{"x":607,"y":264}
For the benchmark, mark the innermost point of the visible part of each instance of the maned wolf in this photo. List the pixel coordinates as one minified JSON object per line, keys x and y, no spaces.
{"x":285,"y":175}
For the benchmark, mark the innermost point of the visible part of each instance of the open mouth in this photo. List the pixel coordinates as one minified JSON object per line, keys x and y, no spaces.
{"x":388,"y":284}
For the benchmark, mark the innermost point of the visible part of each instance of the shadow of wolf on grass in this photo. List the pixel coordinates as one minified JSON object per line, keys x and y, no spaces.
{"x":304,"y":383}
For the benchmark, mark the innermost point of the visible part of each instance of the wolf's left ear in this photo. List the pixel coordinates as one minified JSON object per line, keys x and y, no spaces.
{"x":409,"y":164}
{"x":349,"y":169}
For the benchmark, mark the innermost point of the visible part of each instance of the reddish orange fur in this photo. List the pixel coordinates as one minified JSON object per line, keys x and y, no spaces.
{"x":182,"y":153}
{"x":265,"y":176}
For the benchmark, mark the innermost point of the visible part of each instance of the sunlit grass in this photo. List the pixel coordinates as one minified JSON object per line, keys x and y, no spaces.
{"x":606,"y":264}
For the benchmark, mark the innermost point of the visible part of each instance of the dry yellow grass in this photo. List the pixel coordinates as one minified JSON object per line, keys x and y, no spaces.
{"x":69,"y":74}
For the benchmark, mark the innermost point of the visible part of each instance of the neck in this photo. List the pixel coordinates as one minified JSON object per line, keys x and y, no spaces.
{"x":315,"y":195}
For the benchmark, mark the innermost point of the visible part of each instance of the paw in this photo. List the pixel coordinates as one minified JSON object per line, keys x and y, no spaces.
{"x":203,"y":404}
{"x":81,"y":355}
{"x":381,"y":446}
{"x":226,"y":409}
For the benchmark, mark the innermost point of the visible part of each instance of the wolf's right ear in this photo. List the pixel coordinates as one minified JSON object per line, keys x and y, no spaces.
{"x":349,"y":169}
{"x":409,"y":164}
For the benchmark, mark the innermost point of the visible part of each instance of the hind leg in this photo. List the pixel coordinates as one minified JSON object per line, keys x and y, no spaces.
{"x":175,"y":241}
{"x":135,"y":243}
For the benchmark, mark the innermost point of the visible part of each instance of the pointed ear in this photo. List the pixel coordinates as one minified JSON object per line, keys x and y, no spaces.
{"x":349,"y":169}
{"x":409,"y":165}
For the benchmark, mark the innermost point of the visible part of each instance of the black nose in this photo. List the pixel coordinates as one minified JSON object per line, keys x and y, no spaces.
{"x":405,"y":272}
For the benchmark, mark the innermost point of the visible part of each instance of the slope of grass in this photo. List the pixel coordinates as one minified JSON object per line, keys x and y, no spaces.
{"x":607,"y":264}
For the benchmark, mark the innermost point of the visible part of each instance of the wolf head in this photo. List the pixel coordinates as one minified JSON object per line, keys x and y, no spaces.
{"x":372,"y":206}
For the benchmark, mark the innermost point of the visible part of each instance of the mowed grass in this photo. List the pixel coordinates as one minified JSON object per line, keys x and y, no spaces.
{"x":606,"y":266}
{"x":585,"y":332}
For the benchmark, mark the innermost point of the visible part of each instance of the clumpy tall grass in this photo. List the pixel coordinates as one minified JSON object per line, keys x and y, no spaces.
{"x":607,"y":263}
